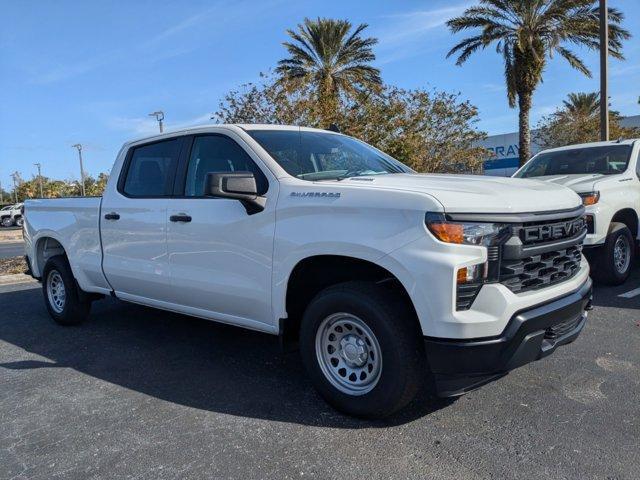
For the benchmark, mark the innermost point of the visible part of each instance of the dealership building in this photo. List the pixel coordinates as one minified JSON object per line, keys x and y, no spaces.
{"x":505,"y":149}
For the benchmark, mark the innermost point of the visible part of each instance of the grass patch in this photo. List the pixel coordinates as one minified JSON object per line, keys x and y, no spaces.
{"x":12,"y":265}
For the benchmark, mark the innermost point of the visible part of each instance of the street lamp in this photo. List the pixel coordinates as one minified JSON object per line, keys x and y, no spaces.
{"x":79,"y":147}
{"x":159,"y":117}
{"x":39,"y":178}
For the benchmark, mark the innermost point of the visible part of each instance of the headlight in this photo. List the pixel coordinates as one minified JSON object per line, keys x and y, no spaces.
{"x":467,"y":233}
{"x":590,"y":198}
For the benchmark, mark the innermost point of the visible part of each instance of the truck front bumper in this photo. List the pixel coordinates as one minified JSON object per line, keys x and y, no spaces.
{"x":460,"y":366}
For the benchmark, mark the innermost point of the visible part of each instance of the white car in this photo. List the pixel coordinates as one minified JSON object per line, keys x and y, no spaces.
{"x":387,"y":278}
{"x":11,"y":215}
{"x":607,"y":177}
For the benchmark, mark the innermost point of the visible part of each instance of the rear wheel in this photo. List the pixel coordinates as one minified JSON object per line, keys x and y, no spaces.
{"x":19,"y":221}
{"x":6,"y":222}
{"x":362,"y":349}
{"x":615,"y":259}
{"x":62,"y":296}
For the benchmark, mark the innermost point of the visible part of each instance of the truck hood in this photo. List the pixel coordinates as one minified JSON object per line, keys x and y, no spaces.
{"x":479,"y":194}
{"x":578,"y":182}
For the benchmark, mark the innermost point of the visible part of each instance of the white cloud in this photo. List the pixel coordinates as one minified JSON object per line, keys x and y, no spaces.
{"x":405,"y":34}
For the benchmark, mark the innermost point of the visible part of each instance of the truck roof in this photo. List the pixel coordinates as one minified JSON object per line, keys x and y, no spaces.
{"x":214,"y":126}
{"x":627,"y":141}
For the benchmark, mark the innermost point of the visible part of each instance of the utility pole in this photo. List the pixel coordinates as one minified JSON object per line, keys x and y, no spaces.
{"x":604,"y":71}
{"x":159,"y":117}
{"x":1,"y":194}
{"x":39,"y":178}
{"x":79,"y":147}
{"x":15,"y":176}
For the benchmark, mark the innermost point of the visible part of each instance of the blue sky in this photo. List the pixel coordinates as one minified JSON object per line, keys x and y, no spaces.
{"x":90,"y":72}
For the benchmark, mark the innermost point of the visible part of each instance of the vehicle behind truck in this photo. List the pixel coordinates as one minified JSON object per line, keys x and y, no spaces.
{"x":386,"y":279}
{"x":607,"y":177}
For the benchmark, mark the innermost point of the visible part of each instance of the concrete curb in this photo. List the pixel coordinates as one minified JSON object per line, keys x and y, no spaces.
{"x":16,"y":278}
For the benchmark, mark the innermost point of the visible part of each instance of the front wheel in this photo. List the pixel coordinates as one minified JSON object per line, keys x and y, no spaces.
{"x":615,"y":259}
{"x":19,"y":222}
{"x":6,"y":222}
{"x":362,"y":348}
{"x":61,"y":294}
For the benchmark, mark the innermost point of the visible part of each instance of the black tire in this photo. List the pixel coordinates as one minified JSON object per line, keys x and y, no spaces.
{"x":605,"y":269}
{"x":74,"y":309}
{"x":6,"y":222}
{"x":19,"y":222}
{"x":403,"y":366}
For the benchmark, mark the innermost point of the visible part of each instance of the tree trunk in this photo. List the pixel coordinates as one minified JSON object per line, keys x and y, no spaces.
{"x":524,"y":103}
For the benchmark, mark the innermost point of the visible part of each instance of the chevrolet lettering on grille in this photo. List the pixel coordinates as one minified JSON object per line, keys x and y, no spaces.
{"x":553,"y":231}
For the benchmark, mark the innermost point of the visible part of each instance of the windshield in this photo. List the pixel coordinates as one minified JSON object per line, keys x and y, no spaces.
{"x":324,"y":156}
{"x":605,"y":160}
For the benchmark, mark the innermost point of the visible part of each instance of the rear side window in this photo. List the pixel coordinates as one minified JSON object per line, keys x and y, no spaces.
{"x":151,"y":169}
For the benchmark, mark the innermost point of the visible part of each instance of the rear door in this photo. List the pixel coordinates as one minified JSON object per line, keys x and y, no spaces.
{"x":134,"y":222}
{"x":220,"y":256}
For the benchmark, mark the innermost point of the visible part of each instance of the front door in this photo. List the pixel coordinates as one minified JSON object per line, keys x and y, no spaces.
{"x":220,"y":256}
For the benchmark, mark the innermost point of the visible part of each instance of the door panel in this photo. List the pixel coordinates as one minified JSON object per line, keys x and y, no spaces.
{"x":134,"y":222}
{"x":135,"y":247}
{"x":221,"y":259}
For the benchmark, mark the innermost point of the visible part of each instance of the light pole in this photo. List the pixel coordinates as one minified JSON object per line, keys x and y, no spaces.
{"x":159,"y":117}
{"x":15,"y":176}
{"x":1,"y":194}
{"x":39,"y":178}
{"x":79,"y":147}
{"x":604,"y":71}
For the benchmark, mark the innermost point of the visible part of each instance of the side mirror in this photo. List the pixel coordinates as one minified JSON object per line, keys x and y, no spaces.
{"x":236,"y":185}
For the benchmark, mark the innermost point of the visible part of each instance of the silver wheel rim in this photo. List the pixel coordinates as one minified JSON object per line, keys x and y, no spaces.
{"x":348,"y":353}
{"x":621,"y":254}
{"x":56,"y":291}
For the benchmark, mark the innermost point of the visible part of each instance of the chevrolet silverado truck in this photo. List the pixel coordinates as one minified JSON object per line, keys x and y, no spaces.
{"x":386,"y":280}
{"x":607,"y":177}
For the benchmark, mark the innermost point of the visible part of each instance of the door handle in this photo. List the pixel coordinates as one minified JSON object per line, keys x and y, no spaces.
{"x":112,"y":216}
{"x":180,"y":218}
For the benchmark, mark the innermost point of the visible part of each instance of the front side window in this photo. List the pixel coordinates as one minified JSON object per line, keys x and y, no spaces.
{"x":218,"y":153}
{"x":151,"y":168}
{"x":605,"y":160}
{"x":322,"y":156}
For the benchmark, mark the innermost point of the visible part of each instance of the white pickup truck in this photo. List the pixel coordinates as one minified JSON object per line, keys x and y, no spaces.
{"x":607,"y":177}
{"x":11,"y":215}
{"x":387,"y":278}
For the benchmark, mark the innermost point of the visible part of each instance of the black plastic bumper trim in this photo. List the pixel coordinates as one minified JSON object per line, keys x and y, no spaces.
{"x":463,"y":365}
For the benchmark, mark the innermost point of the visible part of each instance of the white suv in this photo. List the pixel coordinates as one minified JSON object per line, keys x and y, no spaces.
{"x":607,"y":177}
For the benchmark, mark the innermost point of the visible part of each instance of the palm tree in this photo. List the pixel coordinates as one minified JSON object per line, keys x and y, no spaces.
{"x":326,"y":57}
{"x":581,"y":105}
{"x":528,"y":32}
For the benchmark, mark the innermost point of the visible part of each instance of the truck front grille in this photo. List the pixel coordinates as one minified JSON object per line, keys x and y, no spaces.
{"x":539,"y":271}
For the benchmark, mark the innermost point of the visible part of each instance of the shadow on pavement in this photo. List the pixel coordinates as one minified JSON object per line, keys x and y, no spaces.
{"x":180,"y":359}
{"x":608,"y":296}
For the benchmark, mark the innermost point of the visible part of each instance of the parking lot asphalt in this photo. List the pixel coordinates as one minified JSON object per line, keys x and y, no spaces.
{"x":140,"y":393}
{"x":11,"y":249}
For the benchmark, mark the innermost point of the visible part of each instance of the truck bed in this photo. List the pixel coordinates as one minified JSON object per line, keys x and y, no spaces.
{"x":73,"y":222}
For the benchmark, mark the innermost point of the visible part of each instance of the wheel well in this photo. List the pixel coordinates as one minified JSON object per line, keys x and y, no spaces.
{"x":46,"y":248}
{"x":314,"y":274}
{"x":629,"y":217}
